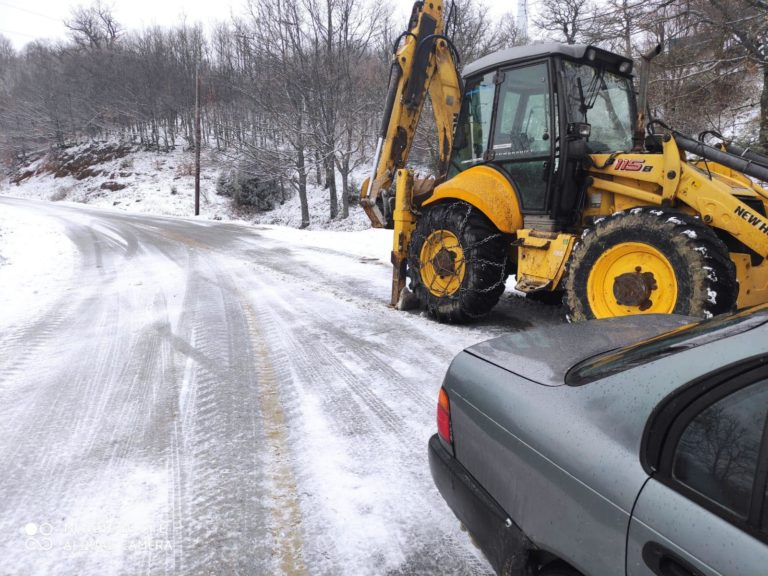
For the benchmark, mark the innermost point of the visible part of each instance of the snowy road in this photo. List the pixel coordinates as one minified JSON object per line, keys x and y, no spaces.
{"x":191,"y":397}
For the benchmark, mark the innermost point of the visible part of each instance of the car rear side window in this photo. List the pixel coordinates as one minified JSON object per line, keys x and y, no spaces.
{"x":718,"y":452}
{"x":685,"y":338}
{"x":765,"y":512}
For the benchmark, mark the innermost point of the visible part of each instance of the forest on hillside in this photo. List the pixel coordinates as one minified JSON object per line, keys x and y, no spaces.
{"x":292,"y":90}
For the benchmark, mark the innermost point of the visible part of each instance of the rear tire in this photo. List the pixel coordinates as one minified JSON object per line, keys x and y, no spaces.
{"x":457,"y":262}
{"x":649,"y":260}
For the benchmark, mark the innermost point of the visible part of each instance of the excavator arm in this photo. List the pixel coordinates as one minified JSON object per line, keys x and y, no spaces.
{"x":424,"y":62}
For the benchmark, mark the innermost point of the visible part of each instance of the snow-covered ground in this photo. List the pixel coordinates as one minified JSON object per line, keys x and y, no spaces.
{"x":163,"y":183}
{"x":193,"y":397}
{"x":35,"y":260}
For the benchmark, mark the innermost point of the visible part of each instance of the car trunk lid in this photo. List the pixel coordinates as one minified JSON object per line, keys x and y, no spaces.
{"x":544,"y":355}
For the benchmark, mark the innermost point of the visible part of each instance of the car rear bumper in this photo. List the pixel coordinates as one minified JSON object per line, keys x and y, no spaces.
{"x":502,"y":542}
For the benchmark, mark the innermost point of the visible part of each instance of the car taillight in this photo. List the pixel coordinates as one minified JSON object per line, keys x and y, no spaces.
{"x":444,"y":417}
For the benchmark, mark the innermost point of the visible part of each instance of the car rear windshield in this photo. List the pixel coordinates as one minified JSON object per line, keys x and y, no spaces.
{"x":684,"y":338}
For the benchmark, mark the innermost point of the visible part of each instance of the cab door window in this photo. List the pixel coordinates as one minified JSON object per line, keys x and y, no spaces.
{"x":522,"y":129}
{"x":522,"y":143}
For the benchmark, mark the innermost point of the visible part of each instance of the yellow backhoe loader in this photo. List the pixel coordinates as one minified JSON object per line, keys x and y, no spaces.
{"x":549,"y":170}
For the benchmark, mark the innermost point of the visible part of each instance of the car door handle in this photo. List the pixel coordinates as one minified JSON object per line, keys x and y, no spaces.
{"x":663,"y":562}
{"x":673,"y":567}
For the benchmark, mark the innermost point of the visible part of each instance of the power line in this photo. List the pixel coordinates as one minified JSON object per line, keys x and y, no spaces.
{"x":30,"y":12}
{"x":18,"y":33}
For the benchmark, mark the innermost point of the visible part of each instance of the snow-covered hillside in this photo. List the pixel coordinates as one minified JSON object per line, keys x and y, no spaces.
{"x":123,"y":177}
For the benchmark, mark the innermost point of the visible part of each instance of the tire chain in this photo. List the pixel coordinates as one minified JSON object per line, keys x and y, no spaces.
{"x":474,"y":260}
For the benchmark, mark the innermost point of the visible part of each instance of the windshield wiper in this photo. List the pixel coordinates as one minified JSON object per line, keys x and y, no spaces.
{"x":592,"y":91}
{"x":582,"y":102}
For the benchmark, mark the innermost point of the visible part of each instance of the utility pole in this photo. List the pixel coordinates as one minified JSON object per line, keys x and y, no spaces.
{"x":197,"y":140}
{"x":522,"y":18}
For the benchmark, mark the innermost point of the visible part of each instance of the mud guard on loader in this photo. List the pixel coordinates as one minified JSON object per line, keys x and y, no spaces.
{"x":482,"y":187}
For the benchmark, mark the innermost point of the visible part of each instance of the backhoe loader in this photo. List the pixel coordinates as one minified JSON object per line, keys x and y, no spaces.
{"x":549,"y":169}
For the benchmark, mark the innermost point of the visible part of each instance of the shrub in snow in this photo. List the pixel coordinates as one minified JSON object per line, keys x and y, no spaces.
{"x":59,"y":194}
{"x":185,"y":169}
{"x":248,"y":190}
{"x":225,"y":183}
{"x":353,"y":192}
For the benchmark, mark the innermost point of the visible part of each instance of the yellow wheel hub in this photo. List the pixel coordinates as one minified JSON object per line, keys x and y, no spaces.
{"x":442,"y":263}
{"x":631,"y":278}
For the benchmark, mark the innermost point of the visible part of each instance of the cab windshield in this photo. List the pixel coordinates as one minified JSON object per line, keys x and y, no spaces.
{"x":603,"y":100}
{"x":474,"y":124}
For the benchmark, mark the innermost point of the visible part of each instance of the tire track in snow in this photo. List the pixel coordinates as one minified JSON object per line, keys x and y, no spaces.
{"x":428,"y":349}
{"x":292,"y":333}
{"x":37,"y":404}
{"x":47,"y":444}
{"x":413,"y":349}
{"x":220,"y":432}
{"x":23,"y":343}
{"x":287,"y":538}
{"x":323,"y":368}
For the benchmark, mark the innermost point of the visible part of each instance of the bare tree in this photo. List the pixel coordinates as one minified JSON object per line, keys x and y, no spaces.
{"x":744,"y":23}
{"x":280,"y":51}
{"x":570,"y":20}
{"x":475,"y":33}
{"x":94,"y":26}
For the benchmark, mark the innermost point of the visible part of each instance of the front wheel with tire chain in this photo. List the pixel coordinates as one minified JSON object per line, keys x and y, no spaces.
{"x":457,"y":262}
{"x":649,"y":260}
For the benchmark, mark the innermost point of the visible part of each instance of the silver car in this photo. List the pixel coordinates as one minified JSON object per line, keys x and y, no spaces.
{"x":576,"y":450}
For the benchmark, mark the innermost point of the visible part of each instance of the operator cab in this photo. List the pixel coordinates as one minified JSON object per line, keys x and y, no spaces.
{"x":535,"y":112}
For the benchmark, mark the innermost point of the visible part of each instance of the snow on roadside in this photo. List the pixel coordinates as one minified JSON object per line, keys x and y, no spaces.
{"x":163,"y":184}
{"x":153,"y":183}
{"x":368,"y":243}
{"x":34,"y":259}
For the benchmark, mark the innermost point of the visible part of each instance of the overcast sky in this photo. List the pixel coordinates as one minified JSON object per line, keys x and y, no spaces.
{"x":24,"y":20}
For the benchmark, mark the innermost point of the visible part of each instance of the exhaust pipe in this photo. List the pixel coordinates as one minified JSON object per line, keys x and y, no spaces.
{"x":638,"y":141}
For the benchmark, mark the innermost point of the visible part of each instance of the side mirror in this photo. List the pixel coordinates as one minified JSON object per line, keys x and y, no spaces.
{"x":577,"y":149}
{"x":578,"y":134}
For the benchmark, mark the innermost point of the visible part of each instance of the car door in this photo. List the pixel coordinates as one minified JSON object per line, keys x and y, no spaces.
{"x":703,"y":512}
